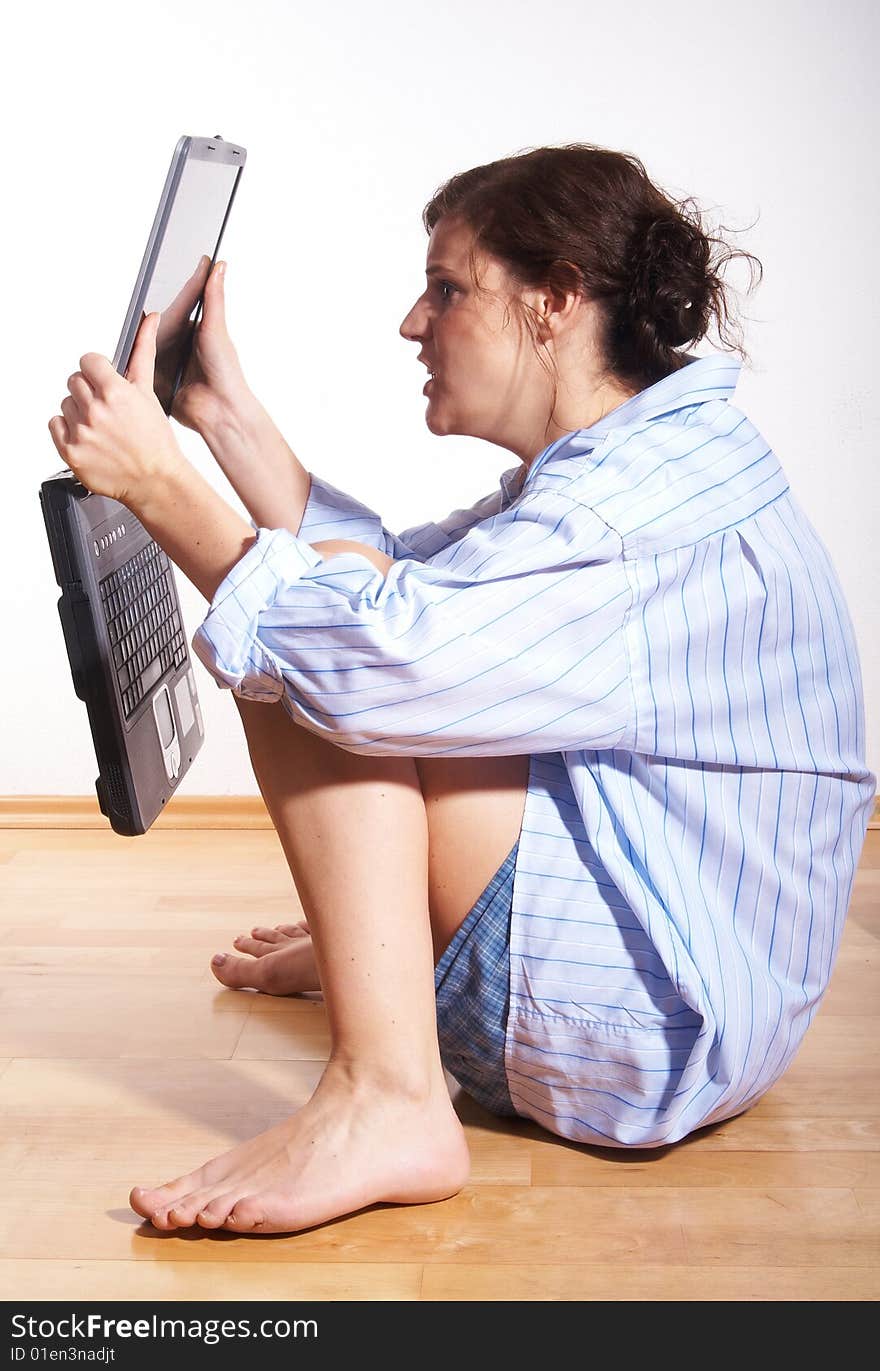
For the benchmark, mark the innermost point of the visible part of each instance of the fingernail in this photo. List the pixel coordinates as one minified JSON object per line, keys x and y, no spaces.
{"x":221,"y":268}
{"x":218,"y":959}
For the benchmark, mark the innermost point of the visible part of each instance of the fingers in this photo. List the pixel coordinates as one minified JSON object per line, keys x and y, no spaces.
{"x":99,"y":371}
{"x":60,"y":434}
{"x":74,"y":406}
{"x":80,"y":389}
{"x":142,"y":363}
{"x":214,"y":314}
{"x":63,"y":428}
{"x":72,"y":417}
{"x":181,"y":306}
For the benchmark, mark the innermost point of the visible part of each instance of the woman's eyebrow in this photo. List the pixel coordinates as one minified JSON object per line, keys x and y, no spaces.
{"x":437,"y":270}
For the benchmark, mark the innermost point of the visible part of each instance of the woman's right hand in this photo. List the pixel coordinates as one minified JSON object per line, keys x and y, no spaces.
{"x":213,"y":387}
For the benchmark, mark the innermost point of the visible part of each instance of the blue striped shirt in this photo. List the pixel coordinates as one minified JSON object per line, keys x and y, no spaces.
{"x":651,"y":617}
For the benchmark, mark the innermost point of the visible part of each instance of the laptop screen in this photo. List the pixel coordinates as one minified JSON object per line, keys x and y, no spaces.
{"x":183,"y":265}
{"x":185,"y":237}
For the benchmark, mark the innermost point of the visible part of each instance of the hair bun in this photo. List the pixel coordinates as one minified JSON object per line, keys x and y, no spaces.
{"x":668,"y":287}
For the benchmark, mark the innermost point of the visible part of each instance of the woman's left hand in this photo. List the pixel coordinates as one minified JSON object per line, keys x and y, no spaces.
{"x":114,"y":434}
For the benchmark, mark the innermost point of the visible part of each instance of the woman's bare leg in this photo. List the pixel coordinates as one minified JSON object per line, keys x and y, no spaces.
{"x":474,"y":807}
{"x":380,"y":1126}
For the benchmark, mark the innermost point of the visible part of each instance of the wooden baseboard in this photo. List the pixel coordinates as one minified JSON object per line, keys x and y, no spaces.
{"x":190,"y":811}
{"x":184,"y":811}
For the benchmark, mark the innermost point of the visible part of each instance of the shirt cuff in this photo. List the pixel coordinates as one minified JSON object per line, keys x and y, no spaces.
{"x":226,"y":642}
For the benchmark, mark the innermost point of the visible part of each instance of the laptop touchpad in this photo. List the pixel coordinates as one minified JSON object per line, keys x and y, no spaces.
{"x":164,"y":718}
{"x":167,"y":733}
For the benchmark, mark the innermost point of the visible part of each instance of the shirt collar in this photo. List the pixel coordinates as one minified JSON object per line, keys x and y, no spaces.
{"x":702,"y":379}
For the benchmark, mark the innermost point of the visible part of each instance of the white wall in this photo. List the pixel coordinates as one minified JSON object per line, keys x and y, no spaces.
{"x":352,"y":114}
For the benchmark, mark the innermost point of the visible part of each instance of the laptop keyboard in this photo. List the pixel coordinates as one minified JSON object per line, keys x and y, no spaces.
{"x":146,"y":635}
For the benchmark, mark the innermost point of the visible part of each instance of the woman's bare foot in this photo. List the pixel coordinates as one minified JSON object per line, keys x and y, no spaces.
{"x":357,"y":1142}
{"x":281,"y":961}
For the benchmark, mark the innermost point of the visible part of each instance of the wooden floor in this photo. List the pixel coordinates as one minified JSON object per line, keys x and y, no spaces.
{"x":122,"y":1061}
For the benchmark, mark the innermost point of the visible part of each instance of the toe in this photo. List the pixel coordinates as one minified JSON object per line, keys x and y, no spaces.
{"x":205,"y":1219}
{"x":247,"y":1213}
{"x":287,"y":969}
{"x":255,"y":947}
{"x":202,"y":1182}
{"x":182,"y":1214}
{"x":215,"y":1212}
{"x":139,"y":1201}
{"x":239,"y":973}
{"x":271,"y":1212}
{"x":146,"y":1202}
{"x":161,"y":1221}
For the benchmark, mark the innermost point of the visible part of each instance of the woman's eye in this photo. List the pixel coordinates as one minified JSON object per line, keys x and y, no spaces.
{"x":444,"y":287}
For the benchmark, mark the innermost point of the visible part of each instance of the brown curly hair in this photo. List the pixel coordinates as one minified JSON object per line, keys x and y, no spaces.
{"x":585,"y":218}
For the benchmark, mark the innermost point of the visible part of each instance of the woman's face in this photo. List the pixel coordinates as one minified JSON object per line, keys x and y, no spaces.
{"x":488,"y":382}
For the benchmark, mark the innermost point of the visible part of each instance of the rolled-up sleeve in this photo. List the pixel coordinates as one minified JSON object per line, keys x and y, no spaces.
{"x":331,"y":513}
{"x":507,"y":640}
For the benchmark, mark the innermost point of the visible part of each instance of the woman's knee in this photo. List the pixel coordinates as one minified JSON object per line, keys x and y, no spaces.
{"x":474,"y":809}
{"x":329,"y":547}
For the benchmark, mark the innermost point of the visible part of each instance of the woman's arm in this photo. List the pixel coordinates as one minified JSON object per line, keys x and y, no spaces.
{"x":117,"y":440}
{"x":216,"y":401}
{"x":511,"y":640}
{"x":262,"y":469}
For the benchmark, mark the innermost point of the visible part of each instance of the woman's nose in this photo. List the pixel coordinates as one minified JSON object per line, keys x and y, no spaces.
{"x":413,"y":326}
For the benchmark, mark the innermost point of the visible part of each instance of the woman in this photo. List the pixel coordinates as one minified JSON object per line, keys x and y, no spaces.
{"x":594,"y":747}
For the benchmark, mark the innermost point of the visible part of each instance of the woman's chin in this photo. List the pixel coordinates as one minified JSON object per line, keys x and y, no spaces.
{"x":434,"y":421}
{"x":442,"y":420}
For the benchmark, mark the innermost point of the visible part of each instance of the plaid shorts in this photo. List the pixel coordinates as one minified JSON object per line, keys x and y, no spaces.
{"x":472,"y":985}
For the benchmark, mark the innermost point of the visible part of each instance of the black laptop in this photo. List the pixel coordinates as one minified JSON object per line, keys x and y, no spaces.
{"x":119,"y":608}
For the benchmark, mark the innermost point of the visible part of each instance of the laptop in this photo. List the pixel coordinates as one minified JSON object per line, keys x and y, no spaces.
{"x":120,"y":613}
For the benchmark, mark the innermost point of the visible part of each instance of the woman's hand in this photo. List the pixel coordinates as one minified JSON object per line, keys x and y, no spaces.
{"x":213,"y":387}
{"x":114,"y":434}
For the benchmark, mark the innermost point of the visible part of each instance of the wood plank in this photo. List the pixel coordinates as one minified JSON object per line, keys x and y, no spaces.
{"x":183,"y":811}
{"x":688,"y":1165}
{"x":295,"y":1035}
{"x":134,"y":1019}
{"x":826,"y":1095}
{"x":47,"y":1279}
{"x":98,"y":973}
{"x":175,"y":1120}
{"x":91,"y":1221}
{"x":627,"y":1282}
{"x":777,"y":1227}
{"x":705,"y":1227}
{"x":754,"y":1132}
